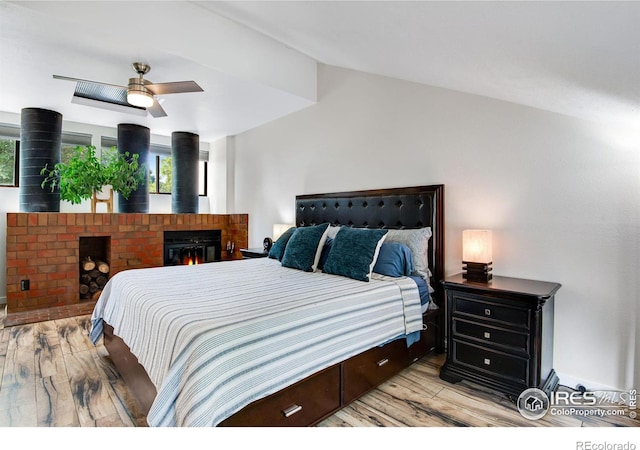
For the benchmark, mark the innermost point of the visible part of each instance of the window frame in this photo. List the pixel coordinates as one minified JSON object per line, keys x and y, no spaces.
{"x":205,"y":172}
{"x":16,"y":163}
{"x":12,"y":132}
{"x":163,"y":150}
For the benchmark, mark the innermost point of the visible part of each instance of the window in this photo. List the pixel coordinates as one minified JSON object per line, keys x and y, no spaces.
{"x":203,"y":179}
{"x":10,"y":151}
{"x":159,"y":165}
{"x":162,"y":168}
{"x":160,"y":172}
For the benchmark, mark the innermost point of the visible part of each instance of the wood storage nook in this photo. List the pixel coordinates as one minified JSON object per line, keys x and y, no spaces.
{"x":94,"y":266}
{"x":93,"y":276}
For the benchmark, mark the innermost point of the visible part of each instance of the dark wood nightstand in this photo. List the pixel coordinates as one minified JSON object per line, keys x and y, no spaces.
{"x":500,"y":333}
{"x":257,"y":252}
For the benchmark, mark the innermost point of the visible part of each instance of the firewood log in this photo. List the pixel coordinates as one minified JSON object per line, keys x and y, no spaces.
{"x":87,"y":264}
{"x":102,"y":266}
{"x":101,"y":281}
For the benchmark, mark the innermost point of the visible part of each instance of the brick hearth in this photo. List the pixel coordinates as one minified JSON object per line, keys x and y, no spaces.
{"x":44,"y":249}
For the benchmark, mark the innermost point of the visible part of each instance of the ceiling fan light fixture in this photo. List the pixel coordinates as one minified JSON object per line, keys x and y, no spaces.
{"x":139,"y":98}
{"x":138,"y":94}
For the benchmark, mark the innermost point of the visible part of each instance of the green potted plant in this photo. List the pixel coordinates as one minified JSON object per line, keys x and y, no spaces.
{"x":85,"y":175}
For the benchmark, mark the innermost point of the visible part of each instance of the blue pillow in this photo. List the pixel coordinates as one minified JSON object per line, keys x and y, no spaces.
{"x":394,"y":260}
{"x":278,"y":247}
{"x":423,"y":289}
{"x":304,"y":248}
{"x":353,"y":252}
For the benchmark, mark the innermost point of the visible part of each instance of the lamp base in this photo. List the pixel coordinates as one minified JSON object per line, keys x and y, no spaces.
{"x":479,"y":272}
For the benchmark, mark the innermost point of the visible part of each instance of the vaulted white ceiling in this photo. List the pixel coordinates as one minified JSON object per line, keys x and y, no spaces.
{"x":256,"y":61}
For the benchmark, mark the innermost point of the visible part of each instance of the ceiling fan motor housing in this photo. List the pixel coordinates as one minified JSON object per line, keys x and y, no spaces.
{"x":139,"y":84}
{"x":138,"y":94}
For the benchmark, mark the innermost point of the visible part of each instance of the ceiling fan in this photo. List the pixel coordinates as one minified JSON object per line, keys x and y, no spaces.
{"x":137,"y":97}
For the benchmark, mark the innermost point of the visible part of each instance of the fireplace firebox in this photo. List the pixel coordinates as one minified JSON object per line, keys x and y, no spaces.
{"x":192,"y":247}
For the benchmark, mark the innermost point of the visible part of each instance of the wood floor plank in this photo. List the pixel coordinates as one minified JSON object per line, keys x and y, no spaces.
{"x":18,"y":378}
{"x":19,"y":416}
{"x":55,"y":407}
{"x":500,"y":414}
{"x":49,"y":359}
{"x":334,"y":422}
{"x":114,"y":420}
{"x":414,"y":380}
{"x":413,"y":412}
{"x":21,"y":336}
{"x":4,"y":340}
{"x":122,"y":399}
{"x":73,"y":337}
{"x":358,"y":414}
{"x":90,"y":393}
{"x":4,"y":343}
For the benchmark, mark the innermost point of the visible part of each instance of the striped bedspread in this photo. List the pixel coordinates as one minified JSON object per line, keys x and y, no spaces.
{"x":215,"y":337}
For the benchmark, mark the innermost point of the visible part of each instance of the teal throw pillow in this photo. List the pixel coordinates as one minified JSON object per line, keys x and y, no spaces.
{"x":304,"y":248}
{"x":354,"y":252}
{"x":278,"y":247}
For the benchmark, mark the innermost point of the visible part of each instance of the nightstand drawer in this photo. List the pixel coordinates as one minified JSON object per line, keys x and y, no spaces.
{"x":492,"y":335}
{"x":480,"y":307}
{"x":497,"y":363}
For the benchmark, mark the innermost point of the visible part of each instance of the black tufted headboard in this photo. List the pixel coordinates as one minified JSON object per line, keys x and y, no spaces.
{"x":396,"y":208}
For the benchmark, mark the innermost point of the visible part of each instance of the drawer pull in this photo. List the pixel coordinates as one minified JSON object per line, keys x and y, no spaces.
{"x":487,"y":362}
{"x":291,"y":410}
{"x":382,"y":362}
{"x":487,"y":312}
{"x":487,"y":335}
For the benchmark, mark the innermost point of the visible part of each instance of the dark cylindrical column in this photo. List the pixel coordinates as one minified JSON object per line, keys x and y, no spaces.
{"x":40,"y":146}
{"x":135,"y":139}
{"x":184,"y":172}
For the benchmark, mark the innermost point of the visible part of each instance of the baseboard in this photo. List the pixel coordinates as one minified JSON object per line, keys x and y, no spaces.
{"x":572,"y":382}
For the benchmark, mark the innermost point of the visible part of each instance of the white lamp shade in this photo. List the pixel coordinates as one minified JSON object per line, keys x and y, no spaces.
{"x":477,"y":246}
{"x":138,"y":98}
{"x":279,"y":228}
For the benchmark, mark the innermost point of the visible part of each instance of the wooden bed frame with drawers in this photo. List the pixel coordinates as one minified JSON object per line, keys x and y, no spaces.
{"x":309,"y":401}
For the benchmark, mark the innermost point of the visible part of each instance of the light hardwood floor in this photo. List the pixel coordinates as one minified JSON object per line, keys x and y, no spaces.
{"x":53,"y":376}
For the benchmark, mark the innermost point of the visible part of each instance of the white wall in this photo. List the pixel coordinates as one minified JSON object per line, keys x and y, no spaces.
{"x":561,"y":195}
{"x":10,"y":202}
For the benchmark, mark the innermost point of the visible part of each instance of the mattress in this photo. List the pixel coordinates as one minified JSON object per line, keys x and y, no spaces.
{"x":215,"y":337}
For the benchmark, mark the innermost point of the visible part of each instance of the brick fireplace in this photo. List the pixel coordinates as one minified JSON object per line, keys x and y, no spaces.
{"x":44,"y":248}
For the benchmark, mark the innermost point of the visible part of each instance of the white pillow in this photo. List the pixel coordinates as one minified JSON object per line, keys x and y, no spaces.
{"x":333,"y":230}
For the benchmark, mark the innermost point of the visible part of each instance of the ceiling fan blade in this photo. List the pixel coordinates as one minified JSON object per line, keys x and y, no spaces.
{"x":105,"y":96}
{"x":175,"y":87}
{"x":102,"y":92}
{"x":128,"y":109}
{"x":61,"y":77}
{"x":156,"y":110}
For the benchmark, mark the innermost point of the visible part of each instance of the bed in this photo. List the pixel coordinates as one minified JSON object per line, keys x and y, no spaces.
{"x":290,"y":339}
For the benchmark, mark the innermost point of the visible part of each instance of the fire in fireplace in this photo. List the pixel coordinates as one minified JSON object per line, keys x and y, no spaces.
{"x":191,"y":247}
